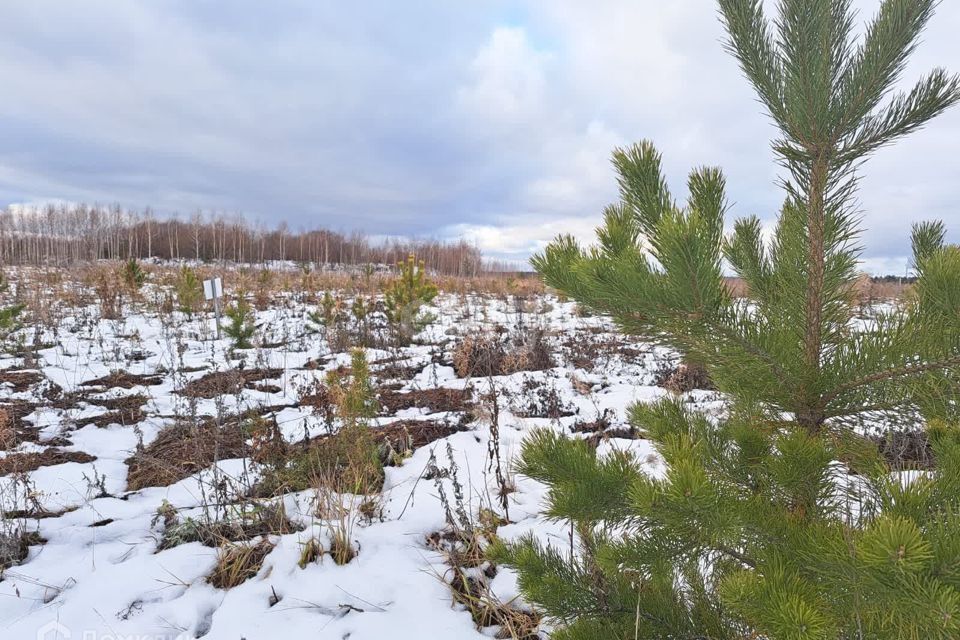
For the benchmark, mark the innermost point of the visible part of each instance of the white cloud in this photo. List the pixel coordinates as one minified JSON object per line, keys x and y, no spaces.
{"x":519,"y":239}
{"x":426,"y":118}
{"x":508,"y":87}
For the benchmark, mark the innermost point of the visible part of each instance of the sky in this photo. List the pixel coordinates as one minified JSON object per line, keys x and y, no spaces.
{"x":492,"y":120}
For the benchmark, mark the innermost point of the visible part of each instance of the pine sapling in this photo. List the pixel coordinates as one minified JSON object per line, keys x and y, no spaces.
{"x":189,"y":291}
{"x":133,"y":275}
{"x":240,"y":328}
{"x":780,"y":519}
{"x":404,"y":298}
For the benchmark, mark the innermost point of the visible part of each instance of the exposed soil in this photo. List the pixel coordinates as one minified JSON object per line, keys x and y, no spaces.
{"x":20,"y":381}
{"x":13,"y":428}
{"x":435,"y":400}
{"x":125,"y":380}
{"x":23,"y":462}
{"x":221,"y":383}
{"x":181,"y":450}
{"x":415,"y":433}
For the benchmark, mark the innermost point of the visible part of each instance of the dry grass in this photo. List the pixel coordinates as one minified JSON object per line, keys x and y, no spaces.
{"x":221,"y":383}
{"x":237,"y":563}
{"x":124,"y":380}
{"x":685,"y":378}
{"x":469,"y":575}
{"x":348,"y":461}
{"x":24,"y":462}
{"x":183,"y":449}
{"x":434,"y":400}
{"x":495,"y":353}
{"x":15,"y":547}
{"x":247,"y":521}
{"x":311,"y":552}
{"x":20,"y":381}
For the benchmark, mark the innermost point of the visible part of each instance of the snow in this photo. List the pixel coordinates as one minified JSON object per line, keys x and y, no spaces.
{"x":99,"y":574}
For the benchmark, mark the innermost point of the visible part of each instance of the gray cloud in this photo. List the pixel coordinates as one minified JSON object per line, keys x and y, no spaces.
{"x":494,"y":120}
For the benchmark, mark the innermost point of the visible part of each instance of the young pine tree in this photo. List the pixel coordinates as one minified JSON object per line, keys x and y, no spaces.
{"x":189,"y":290}
{"x":241,"y":327}
{"x":133,"y":274}
{"x":780,"y":520}
{"x":405,"y":296}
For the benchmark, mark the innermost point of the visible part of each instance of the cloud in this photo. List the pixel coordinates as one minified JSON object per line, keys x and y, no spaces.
{"x":431,"y":118}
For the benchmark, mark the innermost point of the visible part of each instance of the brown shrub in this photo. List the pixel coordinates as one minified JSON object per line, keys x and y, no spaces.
{"x":479,"y":355}
{"x":906,"y":449}
{"x":495,"y":353}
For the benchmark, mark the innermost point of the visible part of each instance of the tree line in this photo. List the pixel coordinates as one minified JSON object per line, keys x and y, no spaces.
{"x":60,"y":234}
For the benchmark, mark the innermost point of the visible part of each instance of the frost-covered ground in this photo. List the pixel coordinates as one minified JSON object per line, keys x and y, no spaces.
{"x":95,"y":570}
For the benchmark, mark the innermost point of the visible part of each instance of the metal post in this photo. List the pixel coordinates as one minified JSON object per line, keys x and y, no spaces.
{"x":213,"y":290}
{"x":216,"y":314}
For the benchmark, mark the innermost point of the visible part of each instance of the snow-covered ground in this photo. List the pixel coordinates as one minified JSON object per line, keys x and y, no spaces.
{"x":98,"y":572}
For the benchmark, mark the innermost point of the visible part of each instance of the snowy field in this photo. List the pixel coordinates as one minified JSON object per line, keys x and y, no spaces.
{"x":95,"y":477}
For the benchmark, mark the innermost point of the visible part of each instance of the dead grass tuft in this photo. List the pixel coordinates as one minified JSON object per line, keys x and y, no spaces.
{"x":237,"y":563}
{"x":497,"y":353}
{"x":247,"y":522}
{"x":686,"y":378}
{"x":15,"y":547}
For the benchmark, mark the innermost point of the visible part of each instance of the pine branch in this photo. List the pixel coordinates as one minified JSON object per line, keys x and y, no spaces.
{"x":890,"y":374}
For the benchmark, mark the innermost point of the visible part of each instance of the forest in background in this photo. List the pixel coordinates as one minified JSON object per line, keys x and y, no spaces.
{"x":64,"y":234}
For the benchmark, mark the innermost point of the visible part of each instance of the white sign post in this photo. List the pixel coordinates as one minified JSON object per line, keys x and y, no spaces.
{"x":213,"y":290}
